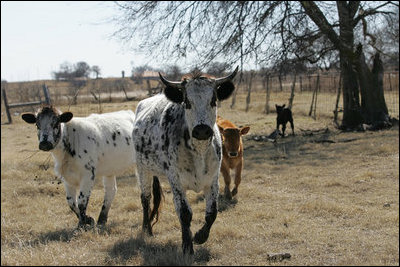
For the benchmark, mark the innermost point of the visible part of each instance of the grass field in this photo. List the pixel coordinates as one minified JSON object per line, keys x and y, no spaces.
{"x":325,"y":197}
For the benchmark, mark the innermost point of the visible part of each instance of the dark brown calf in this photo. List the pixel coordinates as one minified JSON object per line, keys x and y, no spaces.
{"x":232,"y":148}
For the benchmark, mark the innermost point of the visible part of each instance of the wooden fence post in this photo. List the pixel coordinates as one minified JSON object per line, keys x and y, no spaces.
{"x":8,"y":106}
{"x":46,"y":94}
{"x":335,"y":112}
{"x":250,"y":81}
{"x":3,"y":92}
{"x":292,"y":92}
{"x":268,"y":91}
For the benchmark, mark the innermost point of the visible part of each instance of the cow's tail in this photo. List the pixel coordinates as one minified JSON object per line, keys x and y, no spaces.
{"x":157,"y":196}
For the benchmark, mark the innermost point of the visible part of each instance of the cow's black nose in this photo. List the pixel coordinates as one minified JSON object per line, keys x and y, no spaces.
{"x":202,"y":132}
{"x":45,"y":146}
{"x":233,"y":154}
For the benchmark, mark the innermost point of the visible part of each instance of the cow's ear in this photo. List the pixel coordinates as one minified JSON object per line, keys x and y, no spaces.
{"x":225,"y":90}
{"x":174,"y":94}
{"x":29,"y":117}
{"x":244,"y":130}
{"x":283,"y":105}
{"x":66,"y":117}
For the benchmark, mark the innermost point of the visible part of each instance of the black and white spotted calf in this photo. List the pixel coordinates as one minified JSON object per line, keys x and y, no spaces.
{"x":176,"y":136}
{"x":83,"y":148}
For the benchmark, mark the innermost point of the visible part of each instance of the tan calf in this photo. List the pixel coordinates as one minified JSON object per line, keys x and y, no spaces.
{"x":232,"y":148}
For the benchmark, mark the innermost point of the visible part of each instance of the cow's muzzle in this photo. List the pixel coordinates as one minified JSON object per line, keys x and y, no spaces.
{"x":202,"y":132}
{"x":45,"y":146}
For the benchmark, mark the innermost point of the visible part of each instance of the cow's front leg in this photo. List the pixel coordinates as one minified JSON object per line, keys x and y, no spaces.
{"x":110,"y":188}
{"x":83,"y":200}
{"x":238,"y":177}
{"x":227,"y":179}
{"x":71,"y":198}
{"x":185,"y":215}
{"x":211,"y":194}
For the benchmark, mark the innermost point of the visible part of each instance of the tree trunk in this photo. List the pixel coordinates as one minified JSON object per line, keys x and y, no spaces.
{"x":373,"y":106}
{"x":352,"y":119}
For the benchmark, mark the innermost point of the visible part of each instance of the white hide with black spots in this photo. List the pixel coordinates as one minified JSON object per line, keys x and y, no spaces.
{"x":176,"y":136}
{"x":84,"y":148}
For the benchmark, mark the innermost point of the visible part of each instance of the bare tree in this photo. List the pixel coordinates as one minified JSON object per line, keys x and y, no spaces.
{"x":96,"y":70}
{"x":265,"y":32}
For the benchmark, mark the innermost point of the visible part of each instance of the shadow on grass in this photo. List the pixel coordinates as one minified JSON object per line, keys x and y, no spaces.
{"x":154,"y":254}
{"x":225,"y":204}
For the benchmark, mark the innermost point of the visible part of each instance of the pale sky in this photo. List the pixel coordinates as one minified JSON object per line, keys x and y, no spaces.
{"x":36,"y":37}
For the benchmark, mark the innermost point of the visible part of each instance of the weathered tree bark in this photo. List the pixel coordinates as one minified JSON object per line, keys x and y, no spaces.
{"x":373,"y":106}
{"x":352,"y":119}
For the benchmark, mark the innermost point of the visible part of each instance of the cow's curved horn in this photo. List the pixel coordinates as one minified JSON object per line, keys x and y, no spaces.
{"x":169,"y":83}
{"x":227,"y":78}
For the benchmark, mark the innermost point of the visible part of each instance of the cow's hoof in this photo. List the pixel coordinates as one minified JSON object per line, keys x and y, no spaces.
{"x":87,"y":223}
{"x":188,"y":249}
{"x":102,"y":220}
{"x":228,"y":194}
{"x":201,"y":236}
{"x":234,"y":191}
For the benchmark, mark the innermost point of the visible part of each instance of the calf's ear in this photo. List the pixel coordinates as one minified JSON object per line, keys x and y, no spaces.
{"x":224,"y":90}
{"x":221,"y":130}
{"x":244,"y":130}
{"x":174,"y":94}
{"x":29,"y":117}
{"x":283,"y":105}
{"x":66,"y":117}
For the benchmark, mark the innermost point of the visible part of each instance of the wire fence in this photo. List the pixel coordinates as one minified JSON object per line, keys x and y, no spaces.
{"x":315,"y":93}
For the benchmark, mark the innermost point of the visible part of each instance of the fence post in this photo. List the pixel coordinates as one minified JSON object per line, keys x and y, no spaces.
{"x":46,"y":94}
{"x":292,"y":92}
{"x":3,"y":92}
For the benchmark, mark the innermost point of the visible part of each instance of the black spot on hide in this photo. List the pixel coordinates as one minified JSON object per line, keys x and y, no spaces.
{"x":67,"y":147}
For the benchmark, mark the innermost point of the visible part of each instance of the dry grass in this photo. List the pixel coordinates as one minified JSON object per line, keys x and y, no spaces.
{"x":324,"y":203}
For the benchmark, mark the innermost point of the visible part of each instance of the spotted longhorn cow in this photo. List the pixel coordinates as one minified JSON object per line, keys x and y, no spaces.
{"x":176,"y":136}
{"x":83,"y":148}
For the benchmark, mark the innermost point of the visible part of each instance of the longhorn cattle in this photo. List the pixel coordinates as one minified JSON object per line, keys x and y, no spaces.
{"x":176,"y":136}
{"x":232,"y":151}
{"x":83,"y":148}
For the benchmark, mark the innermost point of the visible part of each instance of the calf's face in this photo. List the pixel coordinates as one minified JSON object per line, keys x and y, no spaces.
{"x":48,"y":123}
{"x":231,"y":138}
{"x":199,"y":94}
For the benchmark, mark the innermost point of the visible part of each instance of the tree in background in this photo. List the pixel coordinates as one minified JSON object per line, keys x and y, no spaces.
{"x":68,"y":72}
{"x":81,"y":69}
{"x":268,"y":32}
{"x":217,"y":68}
{"x":173,"y":72}
{"x":96,"y":70}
